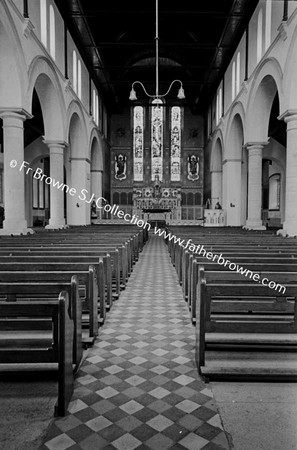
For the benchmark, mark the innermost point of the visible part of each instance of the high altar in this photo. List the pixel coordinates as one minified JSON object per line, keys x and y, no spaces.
{"x":162,"y":205}
{"x":157,"y":164}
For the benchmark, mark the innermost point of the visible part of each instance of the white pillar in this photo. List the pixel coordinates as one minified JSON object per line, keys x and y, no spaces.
{"x":14,"y":174}
{"x":232,"y":191}
{"x":216,"y":187}
{"x":290,"y":223}
{"x":56,"y":151}
{"x":96,"y":182}
{"x":254,"y":220}
{"x":80,"y":204}
{"x":96,"y":186}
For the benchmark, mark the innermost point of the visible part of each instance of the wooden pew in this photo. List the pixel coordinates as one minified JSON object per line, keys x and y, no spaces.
{"x":88,"y":283}
{"x":64,"y":259}
{"x":110,"y":261}
{"x":38,"y":291}
{"x":246,"y":332}
{"x":279,"y":273}
{"x":57,"y":348}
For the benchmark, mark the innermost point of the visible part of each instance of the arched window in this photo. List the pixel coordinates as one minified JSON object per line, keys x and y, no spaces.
{"x":43,"y":22}
{"x":74,"y":70}
{"x":79,"y":79}
{"x":175,"y":142}
{"x":233,"y":80}
{"x":52,"y":33}
{"x":97,"y":109}
{"x":237,"y":73}
{"x":157,"y":131}
{"x":259,"y":35}
{"x":268,"y":24}
{"x":94,"y":105}
{"x":220,"y":103}
{"x":138,"y":132}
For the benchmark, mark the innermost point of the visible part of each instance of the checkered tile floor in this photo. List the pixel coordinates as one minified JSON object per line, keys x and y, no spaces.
{"x":138,"y":387}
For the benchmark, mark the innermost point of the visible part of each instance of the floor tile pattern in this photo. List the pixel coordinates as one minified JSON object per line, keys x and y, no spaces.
{"x":138,"y":387}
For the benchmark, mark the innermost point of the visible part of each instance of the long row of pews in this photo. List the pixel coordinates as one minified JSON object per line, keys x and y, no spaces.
{"x":244,"y":328}
{"x":56,"y":288}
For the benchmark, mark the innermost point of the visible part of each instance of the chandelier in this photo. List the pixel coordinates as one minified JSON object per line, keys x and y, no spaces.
{"x":157,"y":95}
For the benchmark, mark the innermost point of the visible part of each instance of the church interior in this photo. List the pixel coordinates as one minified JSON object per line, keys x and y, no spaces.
{"x":148,"y":223}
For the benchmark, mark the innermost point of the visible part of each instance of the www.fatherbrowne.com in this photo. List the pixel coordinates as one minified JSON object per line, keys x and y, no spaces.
{"x":219,"y":259}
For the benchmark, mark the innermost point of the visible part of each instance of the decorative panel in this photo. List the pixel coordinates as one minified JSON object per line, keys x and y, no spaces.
{"x":138,"y":143}
{"x":175,"y":143}
{"x":157,"y":126}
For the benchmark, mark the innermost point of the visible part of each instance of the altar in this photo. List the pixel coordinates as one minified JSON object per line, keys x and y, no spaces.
{"x":166,"y":207}
{"x":156,"y":216}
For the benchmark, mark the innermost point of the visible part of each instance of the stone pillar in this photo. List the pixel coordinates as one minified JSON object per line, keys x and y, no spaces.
{"x":254,"y":220}
{"x":56,"y":151}
{"x":80,"y":204}
{"x":14,"y":174}
{"x":216,"y":187}
{"x":96,"y":186}
{"x":232,"y":191}
{"x":290,"y":223}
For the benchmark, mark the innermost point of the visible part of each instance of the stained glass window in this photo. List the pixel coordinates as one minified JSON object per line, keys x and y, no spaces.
{"x":175,"y":142}
{"x":157,"y":126}
{"x":138,"y":143}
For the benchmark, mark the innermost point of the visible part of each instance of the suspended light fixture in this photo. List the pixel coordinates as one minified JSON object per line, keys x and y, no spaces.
{"x":157,"y":95}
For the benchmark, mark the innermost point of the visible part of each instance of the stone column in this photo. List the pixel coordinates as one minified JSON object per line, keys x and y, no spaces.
{"x":14,"y":174}
{"x":216,"y":187}
{"x":96,"y":186}
{"x":232,"y":191}
{"x":80,"y":204}
{"x":290,"y":223}
{"x":56,"y":151}
{"x":254,"y":220}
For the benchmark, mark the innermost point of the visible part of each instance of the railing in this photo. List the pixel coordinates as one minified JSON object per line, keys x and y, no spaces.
{"x":214,"y":218}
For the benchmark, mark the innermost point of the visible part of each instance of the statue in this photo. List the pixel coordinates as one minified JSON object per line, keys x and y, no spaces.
{"x":157,"y":187}
{"x":120,"y":167}
{"x":193,"y":167}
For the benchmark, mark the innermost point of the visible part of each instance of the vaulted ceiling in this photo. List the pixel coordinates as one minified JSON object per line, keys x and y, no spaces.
{"x":196,"y":41}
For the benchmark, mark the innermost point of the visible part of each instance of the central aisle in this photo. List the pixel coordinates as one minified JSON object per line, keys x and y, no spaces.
{"x":138,"y":387}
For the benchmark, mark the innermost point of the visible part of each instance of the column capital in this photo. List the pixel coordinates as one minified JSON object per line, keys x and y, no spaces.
{"x":255,"y":145}
{"x":15,"y":114}
{"x":289,"y":115}
{"x":55,"y":144}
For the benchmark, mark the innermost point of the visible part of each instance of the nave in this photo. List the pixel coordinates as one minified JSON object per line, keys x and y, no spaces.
{"x":138,"y":386}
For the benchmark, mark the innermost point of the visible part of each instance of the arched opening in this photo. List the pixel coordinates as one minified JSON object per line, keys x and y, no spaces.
{"x":96,"y":172}
{"x":273,"y":174}
{"x":216,"y":174}
{"x":37,"y":193}
{"x":77,"y":166}
{"x":235,"y":174}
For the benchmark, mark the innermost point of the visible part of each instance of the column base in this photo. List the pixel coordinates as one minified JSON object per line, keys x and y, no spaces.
{"x":56,"y":227}
{"x":56,"y":224}
{"x":15,"y":227}
{"x":287,"y":232}
{"x":16,"y":231}
{"x":254,"y":226}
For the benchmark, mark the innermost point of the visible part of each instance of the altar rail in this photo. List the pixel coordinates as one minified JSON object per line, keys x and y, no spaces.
{"x":214,"y":218}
